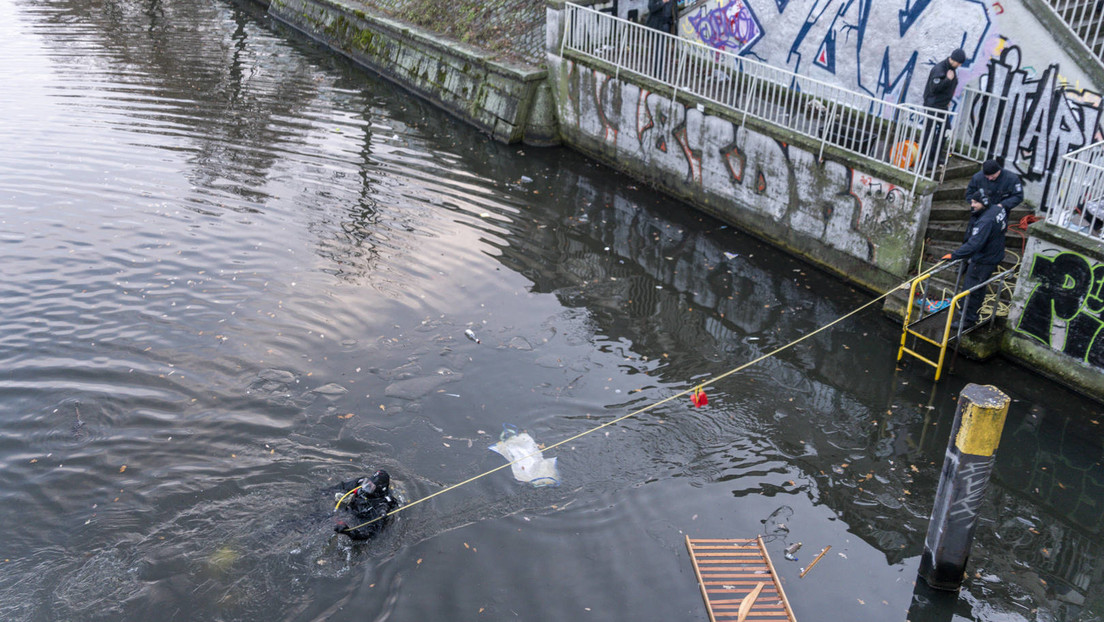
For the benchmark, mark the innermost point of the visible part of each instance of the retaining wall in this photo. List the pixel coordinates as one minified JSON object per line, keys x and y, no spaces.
{"x":1057,"y":314}
{"x":862,"y":222}
{"x":510,"y":102}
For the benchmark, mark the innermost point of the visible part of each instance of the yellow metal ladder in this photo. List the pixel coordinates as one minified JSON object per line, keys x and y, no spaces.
{"x":941,"y":337}
{"x":907,"y":328}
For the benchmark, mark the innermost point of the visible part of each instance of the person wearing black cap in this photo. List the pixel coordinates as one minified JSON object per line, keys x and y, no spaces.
{"x":983,"y":247}
{"x":993,"y":184}
{"x":368,"y":501}
{"x":938,"y":92}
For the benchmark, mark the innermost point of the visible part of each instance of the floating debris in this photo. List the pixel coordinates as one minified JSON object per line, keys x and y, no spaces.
{"x":805,"y":570}
{"x":331,"y":390}
{"x":526,"y":460}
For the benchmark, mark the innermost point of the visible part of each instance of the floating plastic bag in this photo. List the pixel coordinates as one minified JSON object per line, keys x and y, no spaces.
{"x":528,"y":464}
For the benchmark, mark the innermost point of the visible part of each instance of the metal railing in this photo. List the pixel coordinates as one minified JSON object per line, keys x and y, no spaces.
{"x":1076,"y":198}
{"x":905,"y":137}
{"x":1084,"y":19}
{"x":979,"y":128}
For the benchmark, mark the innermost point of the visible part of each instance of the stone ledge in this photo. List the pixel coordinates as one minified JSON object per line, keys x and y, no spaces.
{"x":499,"y":97}
{"x":1055,"y":365}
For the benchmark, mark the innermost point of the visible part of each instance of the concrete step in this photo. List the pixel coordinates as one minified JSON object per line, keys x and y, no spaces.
{"x":957,"y":168}
{"x":951,"y":190}
{"x":949,"y":210}
{"x":957,"y":211}
{"x":953,"y":232}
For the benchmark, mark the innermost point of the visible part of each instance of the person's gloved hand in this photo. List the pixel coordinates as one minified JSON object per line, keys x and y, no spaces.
{"x":946,"y":257}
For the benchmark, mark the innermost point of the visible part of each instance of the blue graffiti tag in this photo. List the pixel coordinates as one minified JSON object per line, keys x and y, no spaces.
{"x":731,"y":27}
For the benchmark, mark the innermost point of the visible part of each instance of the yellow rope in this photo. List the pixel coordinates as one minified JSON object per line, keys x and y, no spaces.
{"x":653,"y":405}
{"x":343,"y":497}
{"x":992,"y":303}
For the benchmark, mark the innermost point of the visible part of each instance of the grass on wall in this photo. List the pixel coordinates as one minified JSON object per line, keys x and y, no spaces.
{"x":490,"y":25}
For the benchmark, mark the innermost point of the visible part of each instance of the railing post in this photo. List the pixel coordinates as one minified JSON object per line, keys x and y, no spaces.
{"x":619,"y":31}
{"x":678,"y":66}
{"x":978,"y":422}
{"x":827,"y":128}
{"x":569,"y":16}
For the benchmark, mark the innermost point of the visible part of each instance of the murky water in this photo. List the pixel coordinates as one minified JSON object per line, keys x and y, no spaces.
{"x":237,"y":271}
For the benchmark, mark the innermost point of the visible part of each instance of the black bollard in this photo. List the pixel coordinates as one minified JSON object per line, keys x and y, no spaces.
{"x":975,"y":435}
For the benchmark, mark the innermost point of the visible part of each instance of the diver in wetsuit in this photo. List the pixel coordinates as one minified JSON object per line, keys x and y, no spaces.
{"x":371,"y":500}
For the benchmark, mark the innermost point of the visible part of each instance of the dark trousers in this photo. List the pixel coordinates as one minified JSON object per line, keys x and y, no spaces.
{"x":933,"y":141}
{"x":975,"y":273}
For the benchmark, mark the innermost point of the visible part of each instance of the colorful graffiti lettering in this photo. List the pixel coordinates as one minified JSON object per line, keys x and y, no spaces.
{"x":848,"y":211}
{"x":730,"y":27}
{"x":848,"y":42}
{"x":1068,"y":298}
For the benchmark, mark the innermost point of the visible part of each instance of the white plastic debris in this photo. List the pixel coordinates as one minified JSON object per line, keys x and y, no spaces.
{"x":529,"y":465}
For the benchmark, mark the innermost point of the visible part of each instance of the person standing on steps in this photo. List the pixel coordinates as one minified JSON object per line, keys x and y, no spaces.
{"x":938,"y":92}
{"x":983,"y":247}
{"x":993,"y":184}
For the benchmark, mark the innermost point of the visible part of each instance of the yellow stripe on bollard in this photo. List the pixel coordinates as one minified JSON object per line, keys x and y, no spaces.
{"x":982,"y":420}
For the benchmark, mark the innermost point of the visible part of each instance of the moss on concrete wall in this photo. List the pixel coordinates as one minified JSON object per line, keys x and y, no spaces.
{"x":502,"y":98}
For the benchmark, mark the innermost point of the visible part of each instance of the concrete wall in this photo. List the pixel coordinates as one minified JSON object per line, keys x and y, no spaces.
{"x":512,"y":103}
{"x":886,"y":49}
{"x":862,"y":224}
{"x":1057,"y":314}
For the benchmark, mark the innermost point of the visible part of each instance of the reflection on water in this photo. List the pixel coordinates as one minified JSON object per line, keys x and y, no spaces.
{"x":238,"y":271}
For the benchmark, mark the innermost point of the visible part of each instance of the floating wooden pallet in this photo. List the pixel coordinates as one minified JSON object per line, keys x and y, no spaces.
{"x":738,"y":581}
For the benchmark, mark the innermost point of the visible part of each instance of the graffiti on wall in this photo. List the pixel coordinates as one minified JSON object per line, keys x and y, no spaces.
{"x":847,"y":42}
{"x":886,"y":49}
{"x":729,"y":27}
{"x":1042,"y":118}
{"x":826,"y":201}
{"x":1065,"y":310}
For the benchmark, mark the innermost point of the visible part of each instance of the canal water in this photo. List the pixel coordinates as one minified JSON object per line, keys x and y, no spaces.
{"x":237,"y":270}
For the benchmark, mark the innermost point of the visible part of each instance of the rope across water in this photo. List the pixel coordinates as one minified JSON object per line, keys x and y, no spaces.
{"x":675,"y":396}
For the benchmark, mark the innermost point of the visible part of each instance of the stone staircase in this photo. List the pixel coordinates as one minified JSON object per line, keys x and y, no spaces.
{"x":946,"y":230}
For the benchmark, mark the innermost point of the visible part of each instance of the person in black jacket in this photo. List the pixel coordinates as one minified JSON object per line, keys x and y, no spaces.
{"x":938,"y":92}
{"x":660,"y":15}
{"x":368,"y":501}
{"x":983,"y":249}
{"x":992,"y":184}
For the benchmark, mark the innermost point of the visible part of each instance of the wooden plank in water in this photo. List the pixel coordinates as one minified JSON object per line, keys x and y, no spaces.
{"x":738,"y":581}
